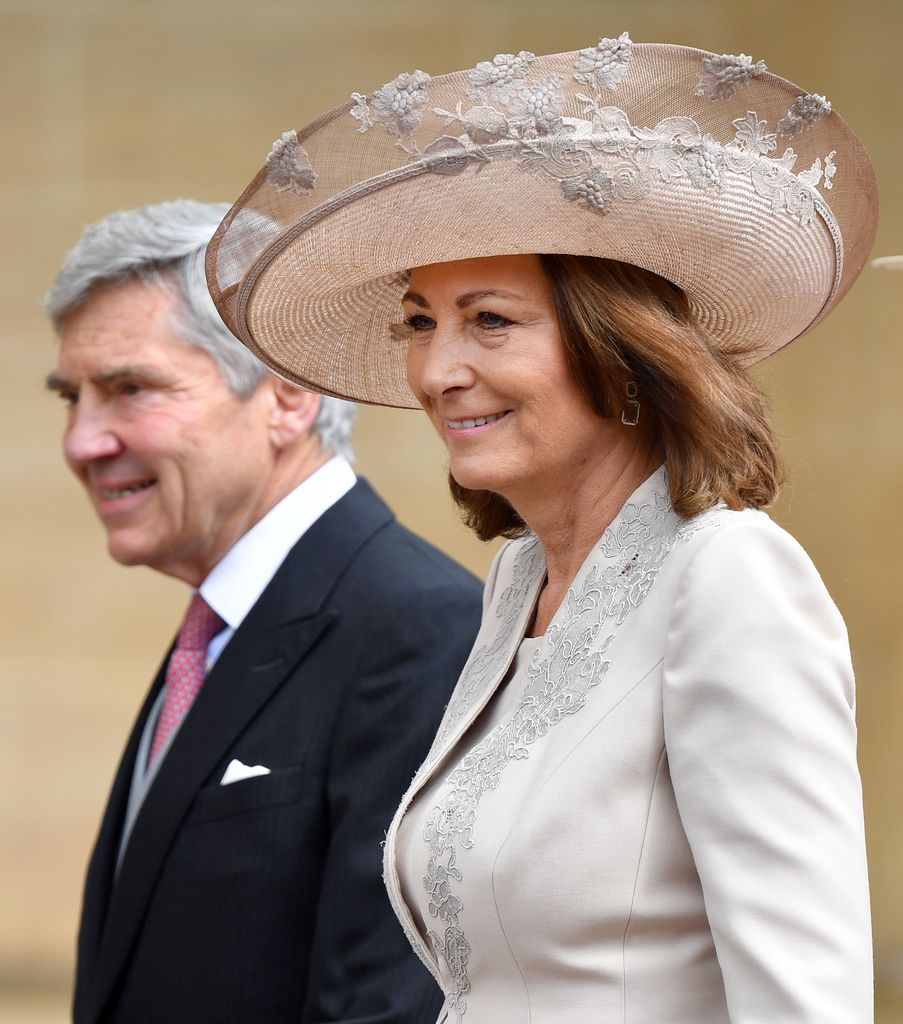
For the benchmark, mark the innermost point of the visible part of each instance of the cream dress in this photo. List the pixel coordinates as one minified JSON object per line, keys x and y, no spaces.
{"x":652,"y":813}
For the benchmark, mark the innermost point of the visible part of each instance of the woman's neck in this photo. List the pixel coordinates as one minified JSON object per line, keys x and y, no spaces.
{"x":570,"y":521}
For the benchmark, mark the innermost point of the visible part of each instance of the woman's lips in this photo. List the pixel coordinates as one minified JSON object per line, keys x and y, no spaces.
{"x":476,"y":422}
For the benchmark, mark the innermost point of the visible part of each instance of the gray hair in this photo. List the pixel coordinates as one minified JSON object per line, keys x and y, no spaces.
{"x":165,"y":244}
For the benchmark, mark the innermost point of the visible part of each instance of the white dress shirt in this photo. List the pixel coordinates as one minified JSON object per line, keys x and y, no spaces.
{"x":241,"y":576}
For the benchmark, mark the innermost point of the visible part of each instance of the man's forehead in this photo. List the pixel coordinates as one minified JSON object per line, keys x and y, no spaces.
{"x":105,"y":352}
{"x":119,"y":325}
{"x":128,"y":306}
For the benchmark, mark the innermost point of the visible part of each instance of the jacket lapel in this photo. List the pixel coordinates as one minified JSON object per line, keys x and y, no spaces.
{"x":281,"y":628}
{"x":494,"y":650}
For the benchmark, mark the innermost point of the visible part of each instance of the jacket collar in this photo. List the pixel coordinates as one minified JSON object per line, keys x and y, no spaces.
{"x":645,"y":520}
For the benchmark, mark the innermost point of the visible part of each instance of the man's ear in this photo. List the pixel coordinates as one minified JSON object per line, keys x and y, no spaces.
{"x":292,"y":412}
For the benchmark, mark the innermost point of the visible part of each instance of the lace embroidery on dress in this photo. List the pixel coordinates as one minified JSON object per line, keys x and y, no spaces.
{"x":560,"y":678}
{"x":486,"y":661}
{"x":515,"y":117}
{"x":288,"y":166}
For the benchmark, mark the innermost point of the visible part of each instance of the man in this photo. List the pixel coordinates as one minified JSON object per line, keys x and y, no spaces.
{"x":236,"y":877}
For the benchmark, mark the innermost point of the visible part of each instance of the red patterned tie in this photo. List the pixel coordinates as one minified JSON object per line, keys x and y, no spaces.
{"x":185,"y":671}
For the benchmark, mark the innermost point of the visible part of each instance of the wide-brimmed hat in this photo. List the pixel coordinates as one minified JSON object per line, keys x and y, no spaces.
{"x":746,"y":191}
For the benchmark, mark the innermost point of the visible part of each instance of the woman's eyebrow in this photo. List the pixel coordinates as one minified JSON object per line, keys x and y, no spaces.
{"x":465,"y":300}
{"x":469,"y":298}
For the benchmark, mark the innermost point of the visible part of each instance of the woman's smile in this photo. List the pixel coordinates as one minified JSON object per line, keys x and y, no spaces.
{"x":466,"y":426}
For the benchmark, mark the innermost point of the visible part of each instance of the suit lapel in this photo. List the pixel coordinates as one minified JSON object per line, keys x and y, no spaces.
{"x":284,"y":624}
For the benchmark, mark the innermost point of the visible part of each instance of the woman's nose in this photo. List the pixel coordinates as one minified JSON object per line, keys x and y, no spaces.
{"x":440,"y":365}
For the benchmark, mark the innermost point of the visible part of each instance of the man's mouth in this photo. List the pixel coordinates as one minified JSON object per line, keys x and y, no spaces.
{"x":111,"y":493}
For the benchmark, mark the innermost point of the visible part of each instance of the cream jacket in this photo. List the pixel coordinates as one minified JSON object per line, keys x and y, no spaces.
{"x":667,"y":826}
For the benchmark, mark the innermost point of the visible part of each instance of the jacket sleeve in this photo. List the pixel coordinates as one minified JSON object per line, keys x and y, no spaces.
{"x":761,"y":744}
{"x":363,"y":968}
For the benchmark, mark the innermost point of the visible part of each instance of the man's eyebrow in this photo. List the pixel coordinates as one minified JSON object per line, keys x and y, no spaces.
{"x":463,"y":301}
{"x":55,"y":382}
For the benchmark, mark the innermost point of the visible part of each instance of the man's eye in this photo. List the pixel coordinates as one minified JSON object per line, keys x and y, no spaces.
{"x":68,"y":397}
{"x":130,"y":388}
{"x":419,"y":322}
{"x":493,"y":320}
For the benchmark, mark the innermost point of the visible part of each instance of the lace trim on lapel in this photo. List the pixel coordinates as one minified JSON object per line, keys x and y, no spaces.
{"x":489,"y":659}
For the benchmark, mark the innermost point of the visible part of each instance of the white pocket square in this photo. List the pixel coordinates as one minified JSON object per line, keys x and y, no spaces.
{"x":238,"y":771}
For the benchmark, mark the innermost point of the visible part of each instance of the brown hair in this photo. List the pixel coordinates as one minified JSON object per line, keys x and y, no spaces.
{"x":621,"y":323}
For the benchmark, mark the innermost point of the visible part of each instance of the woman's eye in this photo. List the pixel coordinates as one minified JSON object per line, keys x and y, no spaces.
{"x":493,"y":320}
{"x":419,"y":322}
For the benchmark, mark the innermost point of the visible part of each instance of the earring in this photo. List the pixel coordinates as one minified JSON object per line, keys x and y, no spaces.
{"x":630,"y":414}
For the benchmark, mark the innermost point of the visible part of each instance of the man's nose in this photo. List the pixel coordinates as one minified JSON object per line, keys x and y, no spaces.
{"x":90,"y":435}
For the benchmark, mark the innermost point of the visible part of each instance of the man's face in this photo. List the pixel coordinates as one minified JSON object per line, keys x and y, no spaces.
{"x":176,"y":466}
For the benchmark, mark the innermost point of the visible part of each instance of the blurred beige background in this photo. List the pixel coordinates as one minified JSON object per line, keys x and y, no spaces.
{"x":115,"y":104}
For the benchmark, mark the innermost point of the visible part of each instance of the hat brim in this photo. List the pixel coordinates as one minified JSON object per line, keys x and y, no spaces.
{"x":319,"y":300}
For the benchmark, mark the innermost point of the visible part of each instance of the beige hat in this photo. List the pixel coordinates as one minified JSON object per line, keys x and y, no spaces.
{"x":744,"y":190}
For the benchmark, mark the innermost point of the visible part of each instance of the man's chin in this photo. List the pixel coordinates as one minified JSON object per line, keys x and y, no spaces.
{"x":126,"y":553}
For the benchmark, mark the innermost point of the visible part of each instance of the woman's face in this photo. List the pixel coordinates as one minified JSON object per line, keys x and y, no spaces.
{"x":487,"y":364}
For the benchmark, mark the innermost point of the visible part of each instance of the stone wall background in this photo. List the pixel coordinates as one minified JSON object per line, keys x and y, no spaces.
{"x":110,"y":104}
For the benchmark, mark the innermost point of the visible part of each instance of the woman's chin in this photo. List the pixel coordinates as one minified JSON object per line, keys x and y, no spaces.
{"x":498,"y":483}
{"x":473,"y":479}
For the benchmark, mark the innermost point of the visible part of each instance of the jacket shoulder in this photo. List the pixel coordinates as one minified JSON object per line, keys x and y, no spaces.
{"x":723,"y":533}
{"x":745,"y":562}
{"x":402,"y":560}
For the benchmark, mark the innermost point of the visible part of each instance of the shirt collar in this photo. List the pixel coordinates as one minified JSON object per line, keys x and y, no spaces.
{"x":240,"y":577}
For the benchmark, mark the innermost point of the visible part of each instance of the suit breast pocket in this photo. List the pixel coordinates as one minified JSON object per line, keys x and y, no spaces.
{"x":281,"y":786}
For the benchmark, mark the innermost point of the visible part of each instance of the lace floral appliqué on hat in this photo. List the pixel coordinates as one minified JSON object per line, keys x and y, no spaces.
{"x":522,"y":116}
{"x":805,"y":112}
{"x":605,"y":65}
{"x":538,"y":108}
{"x":723,"y":75}
{"x":751,"y":135}
{"x":396,"y":106}
{"x":500,"y":78}
{"x":288,"y":166}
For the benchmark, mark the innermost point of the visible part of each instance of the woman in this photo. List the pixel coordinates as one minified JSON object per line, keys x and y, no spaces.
{"x":642,"y":804}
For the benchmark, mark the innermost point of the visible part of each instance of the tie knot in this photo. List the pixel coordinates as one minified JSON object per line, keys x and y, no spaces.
{"x":200,"y":626}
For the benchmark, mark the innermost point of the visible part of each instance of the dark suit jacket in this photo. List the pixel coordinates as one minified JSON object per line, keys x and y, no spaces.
{"x":262,"y":901}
